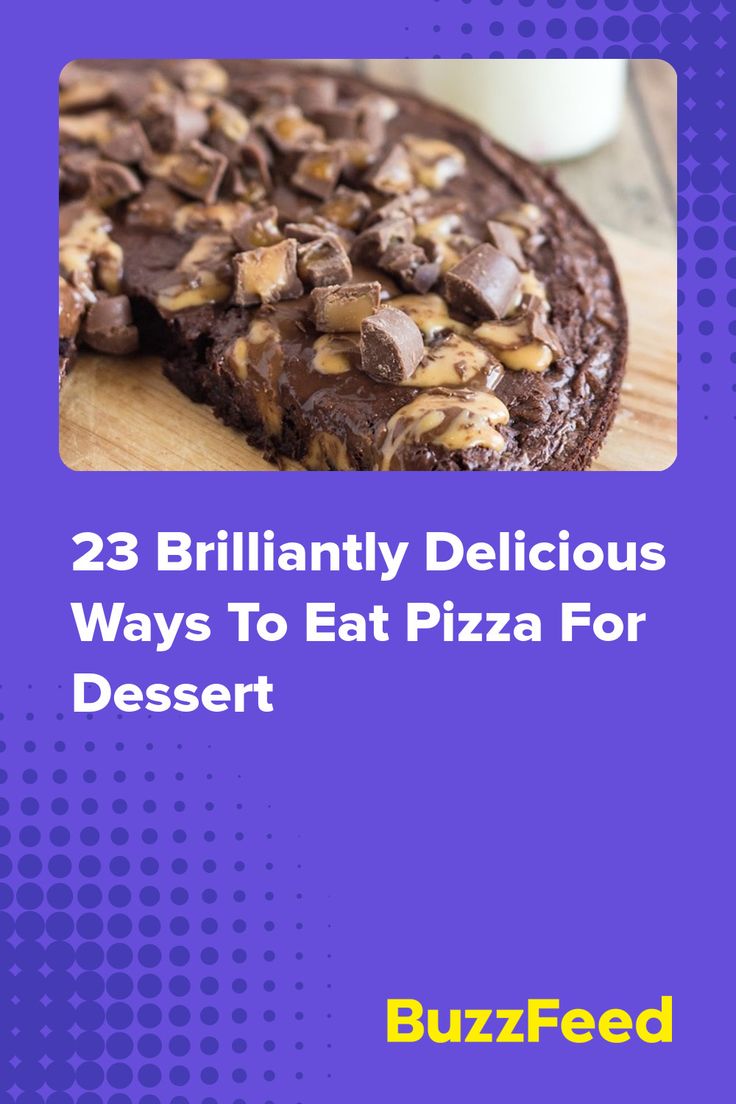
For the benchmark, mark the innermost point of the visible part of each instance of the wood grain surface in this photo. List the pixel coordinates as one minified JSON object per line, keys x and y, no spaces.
{"x":124,"y":415}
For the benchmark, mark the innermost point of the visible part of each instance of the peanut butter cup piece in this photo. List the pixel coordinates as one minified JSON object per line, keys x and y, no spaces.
{"x":393,"y":174}
{"x":111,"y":182}
{"x":391,"y":345}
{"x":505,"y":240}
{"x":324,"y":261}
{"x":258,"y":229}
{"x":71,"y":309}
{"x":196,"y":171}
{"x":199,"y":75}
{"x":126,"y":142}
{"x":288,"y":130}
{"x":255,"y":166}
{"x":170,"y":122}
{"x":318,"y":170}
{"x":229,"y":129}
{"x":342,"y":309}
{"x":411,"y":266}
{"x":155,"y":207}
{"x":373,"y":242}
{"x":315,"y":94}
{"x":267,"y":275}
{"x":485,"y":283}
{"x":108,"y":326}
{"x":346,"y":208}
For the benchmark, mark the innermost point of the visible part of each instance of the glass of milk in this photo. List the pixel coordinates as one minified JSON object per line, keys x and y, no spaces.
{"x":546,"y":109}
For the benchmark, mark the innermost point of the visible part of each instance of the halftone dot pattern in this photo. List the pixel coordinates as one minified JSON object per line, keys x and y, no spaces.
{"x":697,"y":39}
{"x":150,"y":948}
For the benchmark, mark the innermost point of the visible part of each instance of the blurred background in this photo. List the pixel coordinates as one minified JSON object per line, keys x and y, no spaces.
{"x":608,"y":126}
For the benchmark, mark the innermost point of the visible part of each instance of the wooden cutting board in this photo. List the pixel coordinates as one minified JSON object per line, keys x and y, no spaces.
{"x":123,"y":415}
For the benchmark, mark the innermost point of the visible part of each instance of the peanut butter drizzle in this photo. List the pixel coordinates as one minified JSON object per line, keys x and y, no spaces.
{"x":532,"y":285}
{"x":453,"y":363}
{"x":196,"y":282}
{"x":326,"y":451}
{"x":245,"y":349}
{"x":430,"y":312}
{"x":335,"y":354}
{"x":439,"y":231}
{"x":453,"y":420}
{"x":258,"y":356}
{"x":512,"y":343}
{"x":196,"y":291}
{"x":88,"y":255}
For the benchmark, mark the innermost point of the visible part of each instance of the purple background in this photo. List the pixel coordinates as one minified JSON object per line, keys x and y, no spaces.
{"x":215,"y":908}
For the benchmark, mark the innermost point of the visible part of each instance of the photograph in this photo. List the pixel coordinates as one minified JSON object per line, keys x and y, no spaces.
{"x":367,"y":265}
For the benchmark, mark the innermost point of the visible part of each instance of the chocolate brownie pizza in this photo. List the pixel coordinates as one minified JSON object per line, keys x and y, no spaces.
{"x":355,"y":278}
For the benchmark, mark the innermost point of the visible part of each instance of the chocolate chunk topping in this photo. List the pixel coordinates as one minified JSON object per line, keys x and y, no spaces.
{"x":255,"y":165}
{"x":434,"y":162}
{"x":372,"y":243}
{"x":384,"y":106}
{"x":304,"y":231}
{"x":319,"y":170}
{"x":171,"y":122}
{"x":529,"y":222}
{"x":346,"y":208}
{"x":485,"y":283}
{"x":82,"y":87}
{"x":199,"y":75}
{"x":197,"y":218}
{"x":155,"y":207}
{"x":267,"y":275}
{"x":505,"y":240}
{"x":411,"y":266}
{"x":267,"y":89}
{"x":75,"y":171}
{"x":229,"y":129}
{"x":71,"y":309}
{"x":315,"y":94}
{"x":342,"y":309}
{"x":317,"y":228}
{"x":410,"y":204}
{"x":337,"y":122}
{"x":88,"y":258}
{"x":363,"y":119}
{"x":91,"y":129}
{"x":391,"y":345}
{"x":324,"y":261}
{"x":288,"y":130}
{"x":393,"y":175}
{"x":110,"y":182}
{"x":370,"y":125}
{"x":126,"y":142}
{"x":196,"y":171}
{"x":259,"y":229}
{"x":540,"y":329}
{"x":108,"y":326}
{"x":132,"y":90}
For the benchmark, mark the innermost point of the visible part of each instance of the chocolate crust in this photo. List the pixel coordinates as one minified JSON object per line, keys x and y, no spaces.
{"x":557,"y":421}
